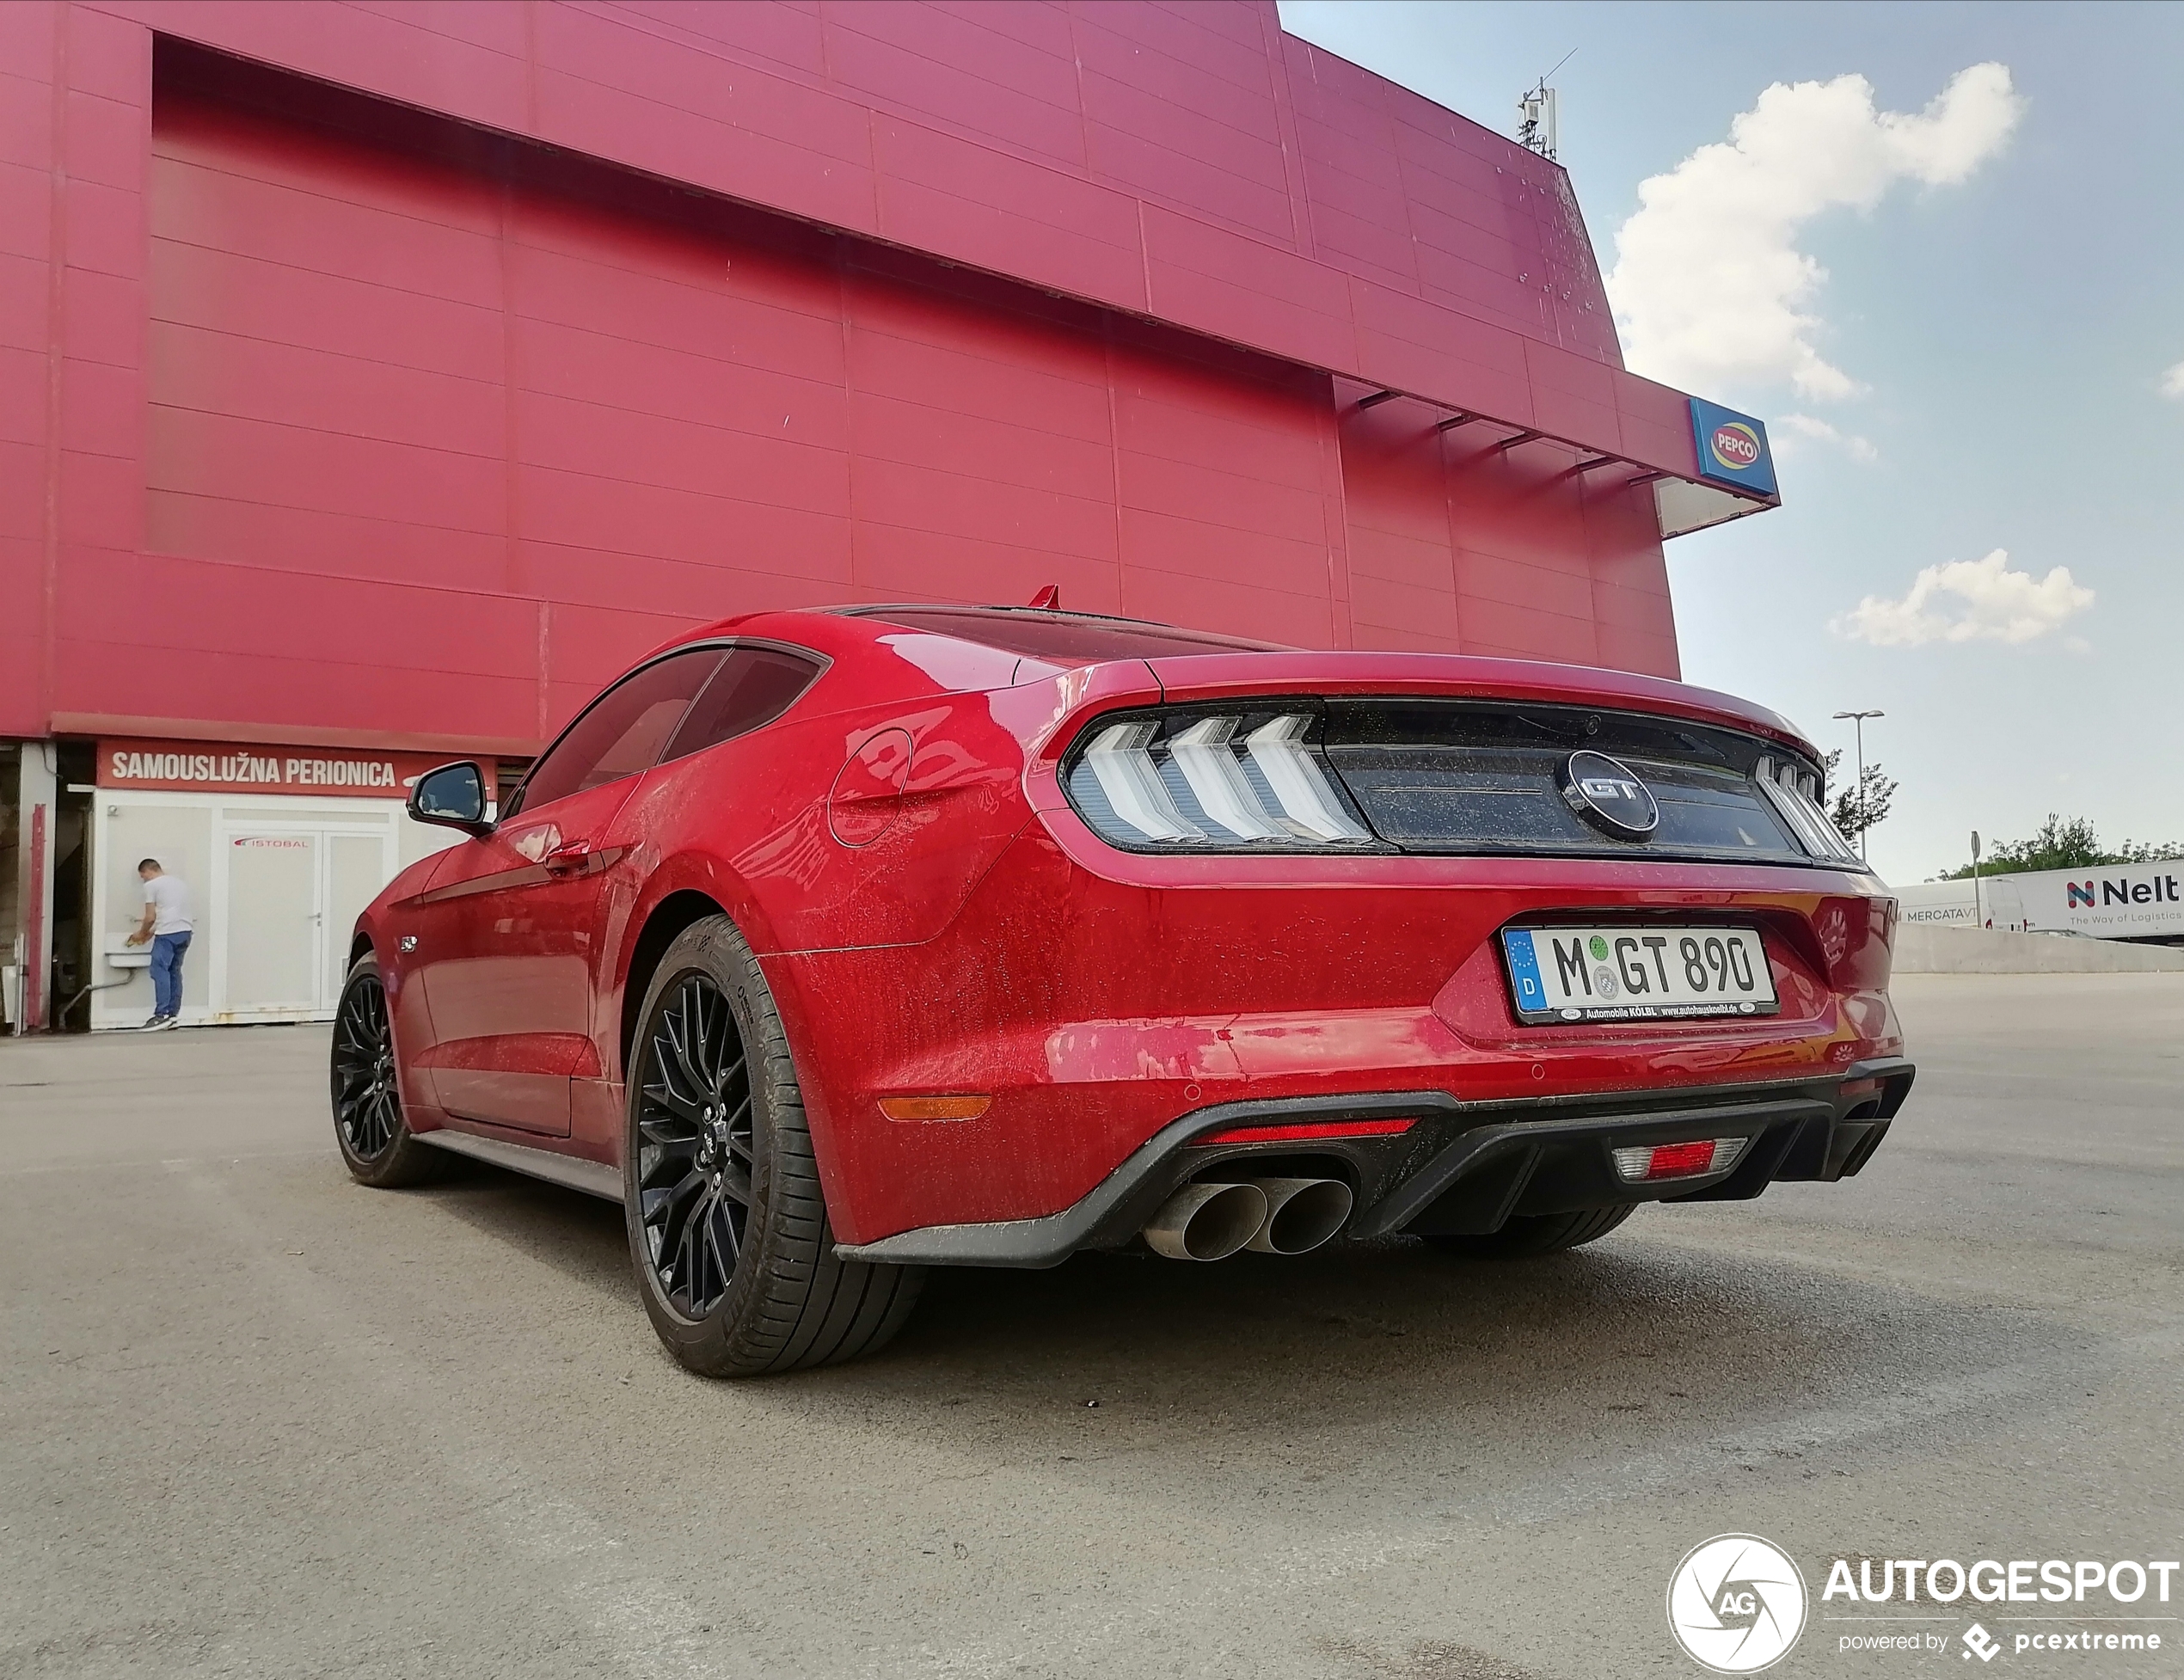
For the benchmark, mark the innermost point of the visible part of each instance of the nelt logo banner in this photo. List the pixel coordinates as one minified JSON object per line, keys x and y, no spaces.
{"x":1733,"y":447}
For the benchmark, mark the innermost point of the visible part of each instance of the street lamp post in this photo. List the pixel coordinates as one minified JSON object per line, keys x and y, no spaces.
{"x":1858,"y":720}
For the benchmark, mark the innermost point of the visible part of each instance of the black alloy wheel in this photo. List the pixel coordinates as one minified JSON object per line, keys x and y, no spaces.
{"x":366,"y":1105}
{"x":727,"y":1220}
{"x":377,"y":1144}
{"x":694,"y":1151}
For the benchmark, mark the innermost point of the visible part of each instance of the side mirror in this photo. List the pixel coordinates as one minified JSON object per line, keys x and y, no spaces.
{"x":453,"y":796}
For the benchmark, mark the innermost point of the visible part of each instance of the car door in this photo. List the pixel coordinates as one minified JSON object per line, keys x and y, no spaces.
{"x":508,"y":942}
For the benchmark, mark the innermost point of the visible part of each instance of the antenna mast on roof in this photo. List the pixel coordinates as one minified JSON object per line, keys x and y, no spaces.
{"x":1536,"y":131}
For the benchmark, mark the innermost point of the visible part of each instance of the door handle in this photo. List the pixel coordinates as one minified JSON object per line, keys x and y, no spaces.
{"x":568,"y":858}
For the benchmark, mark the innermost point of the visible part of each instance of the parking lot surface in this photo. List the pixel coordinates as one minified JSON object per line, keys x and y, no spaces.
{"x":256,"y":1420}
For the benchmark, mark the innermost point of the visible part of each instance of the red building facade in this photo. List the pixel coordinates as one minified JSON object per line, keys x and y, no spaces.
{"x":386,"y":376}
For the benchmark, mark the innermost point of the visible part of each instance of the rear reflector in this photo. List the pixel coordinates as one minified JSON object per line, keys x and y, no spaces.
{"x":1649,"y":1161}
{"x":1312,"y":1133}
{"x":935,"y":1107}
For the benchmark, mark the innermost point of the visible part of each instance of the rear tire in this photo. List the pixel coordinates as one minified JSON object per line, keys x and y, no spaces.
{"x":375,"y":1142}
{"x":1530,"y":1235}
{"x":727,"y":1221}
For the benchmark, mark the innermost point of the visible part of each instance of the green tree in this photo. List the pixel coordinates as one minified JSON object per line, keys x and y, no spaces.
{"x":2065,"y":842}
{"x":1858,"y":809}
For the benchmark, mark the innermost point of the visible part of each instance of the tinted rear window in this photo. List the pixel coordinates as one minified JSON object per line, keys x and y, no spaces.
{"x":754,"y":686}
{"x":1064,"y":638}
{"x":620,"y":734}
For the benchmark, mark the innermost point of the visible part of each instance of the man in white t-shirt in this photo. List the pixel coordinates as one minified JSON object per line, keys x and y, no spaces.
{"x":169,"y":921}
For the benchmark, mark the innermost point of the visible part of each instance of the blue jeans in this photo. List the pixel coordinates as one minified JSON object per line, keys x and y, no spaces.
{"x":167,"y":972}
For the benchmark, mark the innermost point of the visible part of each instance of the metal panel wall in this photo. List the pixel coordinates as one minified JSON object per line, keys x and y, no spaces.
{"x":425,"y":454}
{"x":1454,"y":543}
{"x":1044,"y":142}
{"x":422,"y":396}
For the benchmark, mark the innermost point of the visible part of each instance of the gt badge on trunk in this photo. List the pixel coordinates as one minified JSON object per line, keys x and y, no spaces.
{"x":1608,"y":794}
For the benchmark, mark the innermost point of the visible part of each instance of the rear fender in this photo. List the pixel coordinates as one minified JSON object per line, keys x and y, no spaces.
{"x":859,"y":830}
{"x":1045,"y":716}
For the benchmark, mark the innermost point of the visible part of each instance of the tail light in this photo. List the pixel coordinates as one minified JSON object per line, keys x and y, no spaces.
{"x":1425,"y":775}
{"x":1795,"y":794}
{"x":1648,"y":1163}
{"x":1233,"y":782}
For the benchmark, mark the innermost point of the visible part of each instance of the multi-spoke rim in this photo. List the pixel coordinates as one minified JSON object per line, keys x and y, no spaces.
{"x":366,"y":1106}
{"x":694,"y":1143}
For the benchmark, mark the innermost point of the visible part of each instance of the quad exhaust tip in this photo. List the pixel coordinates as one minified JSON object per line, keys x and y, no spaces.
{"x":1210,"y":1221}
{"x":1301,"y":1214}
{"x":1207,"y":1221}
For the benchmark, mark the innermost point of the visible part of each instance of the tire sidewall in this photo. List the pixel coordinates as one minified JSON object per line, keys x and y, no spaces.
{"x":364,"y":1168}
{"x":713,"y":949}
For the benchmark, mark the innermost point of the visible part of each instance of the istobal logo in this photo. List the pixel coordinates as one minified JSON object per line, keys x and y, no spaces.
{"x":1735,"y":446}
{"x":1736,"y":1603}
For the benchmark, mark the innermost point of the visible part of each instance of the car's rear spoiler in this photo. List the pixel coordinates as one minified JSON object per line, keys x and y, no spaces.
{"x":1046,"y":715}
{"x":1216,"y":676}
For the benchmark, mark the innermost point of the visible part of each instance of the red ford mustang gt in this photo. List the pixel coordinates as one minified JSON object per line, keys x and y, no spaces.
{"x":838,"y":945}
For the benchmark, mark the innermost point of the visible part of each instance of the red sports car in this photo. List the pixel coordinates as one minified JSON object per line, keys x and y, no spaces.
{"x":838,"y":945}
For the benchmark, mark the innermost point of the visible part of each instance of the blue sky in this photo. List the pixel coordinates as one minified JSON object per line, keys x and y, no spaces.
{"x":2004,"y":296}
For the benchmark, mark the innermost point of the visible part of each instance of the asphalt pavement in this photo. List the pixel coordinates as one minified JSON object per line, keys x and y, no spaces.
{"x":256,"y":1420}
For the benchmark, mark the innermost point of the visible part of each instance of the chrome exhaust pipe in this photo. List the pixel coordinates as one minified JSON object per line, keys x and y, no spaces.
{"x":1301,"y":1214}
{"x":1207,"y":1221}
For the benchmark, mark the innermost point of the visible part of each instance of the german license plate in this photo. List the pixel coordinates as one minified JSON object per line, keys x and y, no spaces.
{"x":1637,"y":973}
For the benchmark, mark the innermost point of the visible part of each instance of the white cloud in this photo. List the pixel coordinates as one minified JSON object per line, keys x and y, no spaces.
{"x":2173,"y":382}
{"x":1969,"y":600}
{"x":1791,"y":427}
{"x":1710,"y":288}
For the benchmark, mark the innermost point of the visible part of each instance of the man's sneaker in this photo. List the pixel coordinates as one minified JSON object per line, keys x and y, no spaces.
{"x":165,"y":1021}
{"x":153,"y":1024}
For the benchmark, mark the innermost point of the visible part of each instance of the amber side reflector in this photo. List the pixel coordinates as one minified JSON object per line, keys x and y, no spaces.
{"x":1310,"y":1133}
{"x":935,"y":1109}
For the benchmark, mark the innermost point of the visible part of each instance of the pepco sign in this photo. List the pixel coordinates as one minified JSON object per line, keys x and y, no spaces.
{"x":1733,"y":447}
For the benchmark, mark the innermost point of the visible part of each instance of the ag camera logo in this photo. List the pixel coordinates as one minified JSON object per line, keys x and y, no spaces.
{"x":1736,"y":1603}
